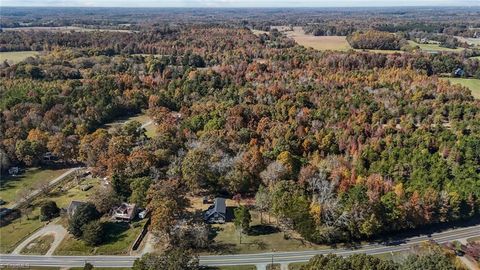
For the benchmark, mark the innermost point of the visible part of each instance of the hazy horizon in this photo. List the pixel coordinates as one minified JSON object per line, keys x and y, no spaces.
{"x":238,"y":4}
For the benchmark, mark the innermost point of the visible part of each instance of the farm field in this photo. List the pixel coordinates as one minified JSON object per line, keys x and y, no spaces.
{"x":472,"y":84}
{"x":433,"y":47}
{"x":322,"y":43}
{"x":10,"y":185}
{"x":15,"y":57}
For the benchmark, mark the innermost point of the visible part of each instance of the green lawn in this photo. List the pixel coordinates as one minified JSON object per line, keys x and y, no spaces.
{"x":434,"y":47}
{"x":15,"y":57}
{"x":14,"y":233}
{"x":264,"y":238}
{"x":142,"y":118}
{"x":474,"y":239}
{"x":73,"y":192}
{"x":236,"y":267}
{"x":472,"y":84}
{"x":39,"y":246}
{"x":10,"y":185}
{"x":119,"y":238}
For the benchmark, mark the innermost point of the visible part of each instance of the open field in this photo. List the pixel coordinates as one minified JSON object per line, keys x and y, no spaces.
{"x":322,"y":43}
{"x":433,"y":47}
{"x":141,"y":118}
{"x":258,"y":32}
{"x":10,"y":185}
{"x":472,"y":84}
{"x":39,"y":246}
{"x":15,"y":57}
{"x":119,"y":238}
{"x":19,"y":229}
{"x":470,"y":41}
{"x":63,"y":29}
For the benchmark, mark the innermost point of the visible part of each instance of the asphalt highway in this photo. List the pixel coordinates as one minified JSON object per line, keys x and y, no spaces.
{"x":241,"y":259}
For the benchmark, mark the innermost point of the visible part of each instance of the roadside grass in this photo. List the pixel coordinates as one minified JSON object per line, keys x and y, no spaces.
{"x":472,"y":84}
{"x":397,"y":256}
{"x":17,"y":231}
{"x":39,"y":246}
{"x":10,"y":185}
{"x":15,"y":57}
{"x":119,"y":238}
{"x":474,"y":239}
{"x":296,"y":266}
{"x":233,"y":267}
{"x":433,"y":47}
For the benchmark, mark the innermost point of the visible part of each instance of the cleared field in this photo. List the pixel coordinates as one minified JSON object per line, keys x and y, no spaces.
{"x":15,"y":57}
{"x":141,"y":118}
{"x":322,"y":43}
{"x":39,"y":246}
{"x":10,"y":185}
{"x":258,"y":32}
{"x":470,"y":41}
{"x":433,"y":47}
{"x":15,"y":232}
{"x":472,"y":84}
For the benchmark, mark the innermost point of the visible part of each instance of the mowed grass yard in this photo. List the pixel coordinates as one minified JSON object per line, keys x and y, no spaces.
{"x":10,"y":185}
{"x":119,"y":238}
{"x":472,"y":84}
{"x":15,"y":57}
{"x":22,"y":227}
{"x":263,"y":237}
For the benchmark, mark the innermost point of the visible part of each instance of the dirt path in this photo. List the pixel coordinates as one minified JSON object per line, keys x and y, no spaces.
{"x":51,"y":184}
{"x":58,"y":232}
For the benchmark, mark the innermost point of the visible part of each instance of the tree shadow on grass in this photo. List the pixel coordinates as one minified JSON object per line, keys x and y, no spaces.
{"x":262,"y":229}
{"x":114,"y":231}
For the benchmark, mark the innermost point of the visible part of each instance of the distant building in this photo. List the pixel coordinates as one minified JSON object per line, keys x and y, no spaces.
{"x":73,"y":207}
{"x":14,"y":171}
{"x":216,"y":213}
{"x":459,"y":72}
{"x":125,"y":212}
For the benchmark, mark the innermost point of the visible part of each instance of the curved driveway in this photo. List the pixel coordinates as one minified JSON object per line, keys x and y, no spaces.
{"x":58,"y":232}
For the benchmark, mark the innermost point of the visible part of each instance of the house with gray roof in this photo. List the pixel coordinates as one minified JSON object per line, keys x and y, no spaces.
{"x":216,"y":213}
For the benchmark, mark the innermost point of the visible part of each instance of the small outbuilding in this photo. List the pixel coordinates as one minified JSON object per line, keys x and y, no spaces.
{"x":216,"y":213}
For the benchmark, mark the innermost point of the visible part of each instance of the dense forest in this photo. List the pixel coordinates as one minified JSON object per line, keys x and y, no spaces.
{"x":338,"y":146}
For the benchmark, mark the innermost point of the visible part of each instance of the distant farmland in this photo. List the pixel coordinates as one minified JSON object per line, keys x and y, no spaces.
{"x":15,"y":57}
{"x":322,"y":43}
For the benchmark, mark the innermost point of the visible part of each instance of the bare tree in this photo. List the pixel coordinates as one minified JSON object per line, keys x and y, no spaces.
{"x":43,"y":186}
{"x":24,"y":195}
{"x":263,"y":201}
{"x":274,"y":172}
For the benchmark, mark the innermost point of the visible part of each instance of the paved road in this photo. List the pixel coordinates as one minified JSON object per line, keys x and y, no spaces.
{"x":244,"y":259}
{"x":58,"y":232}
{"x":50,"y":184}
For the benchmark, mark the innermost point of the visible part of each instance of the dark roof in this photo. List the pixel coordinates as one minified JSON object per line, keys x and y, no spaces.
{"x":220,"y":206}
{"x":73,"y":206}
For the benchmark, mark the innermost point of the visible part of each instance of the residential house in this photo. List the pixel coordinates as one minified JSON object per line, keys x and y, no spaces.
{"x":216,"y":213}
{"x":125,"y":212}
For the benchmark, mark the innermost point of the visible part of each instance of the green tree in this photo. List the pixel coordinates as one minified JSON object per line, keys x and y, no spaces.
{"x":49,"y":210}
{"x":242,"y":220}
{"x":173,"y":259}
{"x":83,"y":215}
{"x":93,"y":233}
{"x":139,"y":187}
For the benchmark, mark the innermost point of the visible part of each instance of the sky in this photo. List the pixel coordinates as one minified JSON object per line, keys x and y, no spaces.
{"x":237,"y":3}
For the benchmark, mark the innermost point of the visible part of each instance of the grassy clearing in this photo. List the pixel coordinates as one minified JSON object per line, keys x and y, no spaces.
{"x":141,"y":118}
{"x":262,"y":237}
{"x":398,"y":256}
{"x":39,"y":246}
{"x":10,"y":185}
{"x":14,"y":233}
{"x":472,"y":84}
{"x":258,"y":32}
{"x":433,"y":47}
{"x":322,"y":43}
{"x":474,"y":239}
{"x":119,"y":238}
{"x":15,"y":57}
{"x":235,"y":267}
{"x":63,"y":195}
